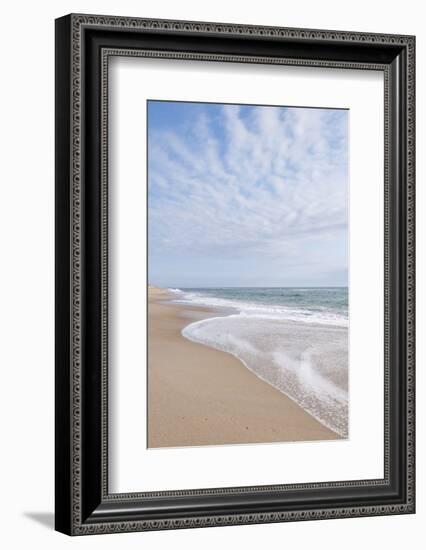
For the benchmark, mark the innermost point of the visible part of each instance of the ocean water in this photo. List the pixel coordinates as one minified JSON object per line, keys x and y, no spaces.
{"x":311,"y":305}
{"x":296,"y":339}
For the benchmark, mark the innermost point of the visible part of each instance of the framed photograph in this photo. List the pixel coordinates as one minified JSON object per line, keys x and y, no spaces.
{"x":234,"y":274}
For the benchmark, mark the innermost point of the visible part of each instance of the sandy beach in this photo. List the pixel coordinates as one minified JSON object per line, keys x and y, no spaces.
{"x":198,"y":395}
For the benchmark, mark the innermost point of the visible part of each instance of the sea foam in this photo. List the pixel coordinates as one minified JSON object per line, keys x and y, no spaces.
{"x":258,"y":309}
{"x":308,"y":362}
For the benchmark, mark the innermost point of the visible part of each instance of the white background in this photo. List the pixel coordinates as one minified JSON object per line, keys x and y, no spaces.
{"x":132,"y":81}
{"x":26,"y":305}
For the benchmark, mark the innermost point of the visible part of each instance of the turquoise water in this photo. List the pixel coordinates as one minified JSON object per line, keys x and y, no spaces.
{"x":324,"y":305}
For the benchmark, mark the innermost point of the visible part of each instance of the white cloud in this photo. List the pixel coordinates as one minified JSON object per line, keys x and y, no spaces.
{"x":269,"y":184}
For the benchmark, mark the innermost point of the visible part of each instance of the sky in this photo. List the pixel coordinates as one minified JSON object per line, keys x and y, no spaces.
{"x":242,"y":195}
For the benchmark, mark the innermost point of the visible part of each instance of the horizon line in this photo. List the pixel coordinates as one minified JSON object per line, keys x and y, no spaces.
{"x":251,"y":286}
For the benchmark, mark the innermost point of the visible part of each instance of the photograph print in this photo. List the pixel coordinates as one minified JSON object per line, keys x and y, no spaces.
{"x":248,"y":308}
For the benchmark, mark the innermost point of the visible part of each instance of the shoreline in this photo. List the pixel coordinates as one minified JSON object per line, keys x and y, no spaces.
{"x":200,"y":395}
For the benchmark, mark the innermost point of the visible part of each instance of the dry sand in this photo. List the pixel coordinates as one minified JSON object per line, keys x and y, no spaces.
{"x":201,"y":396}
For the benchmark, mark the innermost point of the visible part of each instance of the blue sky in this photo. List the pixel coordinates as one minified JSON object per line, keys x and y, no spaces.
{"x":247,"y":195}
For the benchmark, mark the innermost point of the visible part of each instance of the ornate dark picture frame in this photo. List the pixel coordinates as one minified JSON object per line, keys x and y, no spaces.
{"x":84,"y":44}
